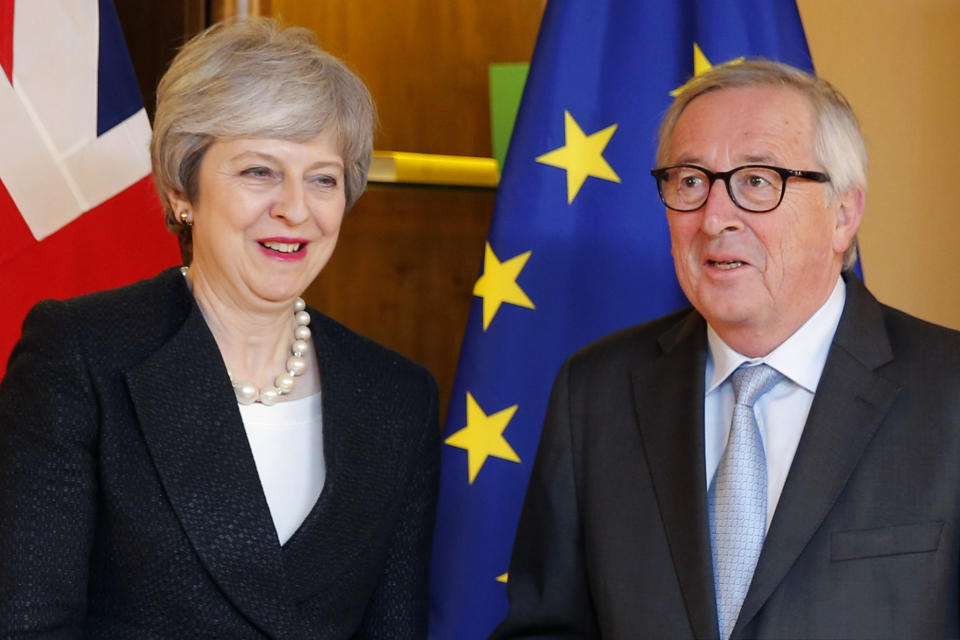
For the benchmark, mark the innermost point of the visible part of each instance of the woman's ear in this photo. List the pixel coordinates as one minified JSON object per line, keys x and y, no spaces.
{"x":182,"y":208}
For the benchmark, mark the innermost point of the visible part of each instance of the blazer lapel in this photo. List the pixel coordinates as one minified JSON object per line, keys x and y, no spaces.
{"x":672,"y":435}
{"x":848,"y":408}
{"x":192,"y":427}
{"x":335,"y":536}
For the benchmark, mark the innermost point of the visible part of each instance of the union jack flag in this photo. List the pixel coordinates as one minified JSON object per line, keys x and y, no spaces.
{"x":77,"y":205}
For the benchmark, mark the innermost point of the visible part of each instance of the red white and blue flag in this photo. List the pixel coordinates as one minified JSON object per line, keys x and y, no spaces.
{"x":78,"y":211}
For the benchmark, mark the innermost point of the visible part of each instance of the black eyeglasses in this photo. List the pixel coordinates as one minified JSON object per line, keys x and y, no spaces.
{"x":757,"y":188}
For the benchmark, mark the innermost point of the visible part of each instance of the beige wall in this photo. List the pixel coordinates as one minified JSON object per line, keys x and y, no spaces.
{"x":898,"y":62}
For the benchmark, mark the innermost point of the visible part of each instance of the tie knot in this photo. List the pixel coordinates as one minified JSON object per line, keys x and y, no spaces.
{"x":751,"y":382}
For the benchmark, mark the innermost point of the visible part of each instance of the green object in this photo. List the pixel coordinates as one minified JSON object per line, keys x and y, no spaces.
{"x":506,"y":89}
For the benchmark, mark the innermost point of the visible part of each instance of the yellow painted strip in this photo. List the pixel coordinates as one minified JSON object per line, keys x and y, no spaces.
{"x":428,"y":168}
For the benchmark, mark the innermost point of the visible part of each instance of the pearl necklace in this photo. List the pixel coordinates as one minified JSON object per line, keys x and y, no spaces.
{"x":247,"y":392}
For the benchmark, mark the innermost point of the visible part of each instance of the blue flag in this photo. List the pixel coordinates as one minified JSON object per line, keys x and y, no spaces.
{"x":578,"y":248}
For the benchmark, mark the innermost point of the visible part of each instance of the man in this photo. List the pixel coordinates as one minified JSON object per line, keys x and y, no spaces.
{"x":783,"y":461}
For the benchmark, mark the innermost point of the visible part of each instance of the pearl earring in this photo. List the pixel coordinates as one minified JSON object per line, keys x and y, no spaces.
{"x":186,"y":218}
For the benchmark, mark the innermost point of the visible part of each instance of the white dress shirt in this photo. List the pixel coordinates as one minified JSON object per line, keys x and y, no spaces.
{"x":800,"y":358}
{"x":287,"y":444}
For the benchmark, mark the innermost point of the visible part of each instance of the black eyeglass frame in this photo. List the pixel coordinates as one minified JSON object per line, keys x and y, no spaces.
{"x":713,"y":176}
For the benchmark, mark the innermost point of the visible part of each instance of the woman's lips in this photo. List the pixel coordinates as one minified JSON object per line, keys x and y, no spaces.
{"x":284,"y":249}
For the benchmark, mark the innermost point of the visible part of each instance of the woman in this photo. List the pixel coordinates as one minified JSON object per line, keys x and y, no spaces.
{"x":167,"y":466}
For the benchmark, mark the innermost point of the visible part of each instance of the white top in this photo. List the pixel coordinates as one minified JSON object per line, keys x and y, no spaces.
{"x":800,"y":358}
{"x":287,"y":444}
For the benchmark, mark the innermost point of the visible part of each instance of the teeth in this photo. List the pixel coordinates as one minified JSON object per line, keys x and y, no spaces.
{"x":282,"y":247}
{"x":728,"y":265}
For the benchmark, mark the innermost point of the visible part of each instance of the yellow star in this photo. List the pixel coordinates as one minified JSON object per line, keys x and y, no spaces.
{"x":581,"y":156}
{"x":483,"y":437}
{"x":700,"y":65}
{"x":700,"y":62}
{"x":503,"y":578}
{"x":498,"y":284}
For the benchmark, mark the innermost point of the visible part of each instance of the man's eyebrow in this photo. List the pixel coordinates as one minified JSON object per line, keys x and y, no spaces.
{"x":753,"y":158}
{"x":689,"y":159}
{"x":759,"y":158}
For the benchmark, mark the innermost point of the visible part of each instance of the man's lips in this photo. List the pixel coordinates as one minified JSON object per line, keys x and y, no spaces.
{"x":726,"y":264}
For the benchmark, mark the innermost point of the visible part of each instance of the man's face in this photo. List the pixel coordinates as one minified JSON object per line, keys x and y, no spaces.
{"x":757,"y":277}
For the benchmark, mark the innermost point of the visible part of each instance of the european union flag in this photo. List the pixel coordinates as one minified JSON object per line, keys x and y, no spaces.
{"x":578,"y":248}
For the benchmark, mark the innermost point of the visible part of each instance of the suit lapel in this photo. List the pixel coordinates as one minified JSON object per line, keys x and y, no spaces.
{"x":192,"y":427}
{"x":672,"y":435}
{"x":848,"y":408}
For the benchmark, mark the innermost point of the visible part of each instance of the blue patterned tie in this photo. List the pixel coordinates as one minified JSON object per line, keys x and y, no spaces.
{"x":738,"y":497}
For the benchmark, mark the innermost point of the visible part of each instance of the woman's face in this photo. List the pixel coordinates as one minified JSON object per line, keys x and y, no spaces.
{"x":266,"y":216}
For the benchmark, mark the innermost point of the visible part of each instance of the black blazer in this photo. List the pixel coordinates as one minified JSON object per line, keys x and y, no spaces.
{"x":130,"y":506}
{"x":613,"y":541}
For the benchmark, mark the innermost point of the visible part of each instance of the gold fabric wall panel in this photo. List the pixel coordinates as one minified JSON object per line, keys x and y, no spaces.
{"x":408,"y":256}
{"x":425,"y":61}
{"x":404,"y":268}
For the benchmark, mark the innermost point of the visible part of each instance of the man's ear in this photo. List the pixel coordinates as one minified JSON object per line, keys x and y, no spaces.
{"x":849,"y":209}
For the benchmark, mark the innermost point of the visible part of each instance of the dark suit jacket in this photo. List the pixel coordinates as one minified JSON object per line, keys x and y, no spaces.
{"x":613,"y":541}
{"x":130,"y":506}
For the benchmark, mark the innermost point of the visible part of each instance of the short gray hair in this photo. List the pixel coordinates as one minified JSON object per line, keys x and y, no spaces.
{"x":838,"y":141}
{"x":253,"y":79}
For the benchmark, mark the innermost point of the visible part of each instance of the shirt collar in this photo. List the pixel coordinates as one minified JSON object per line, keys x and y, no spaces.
{"x":800,"y":357}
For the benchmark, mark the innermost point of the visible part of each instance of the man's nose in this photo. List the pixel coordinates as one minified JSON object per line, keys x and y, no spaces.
{"x":720,"y":214}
